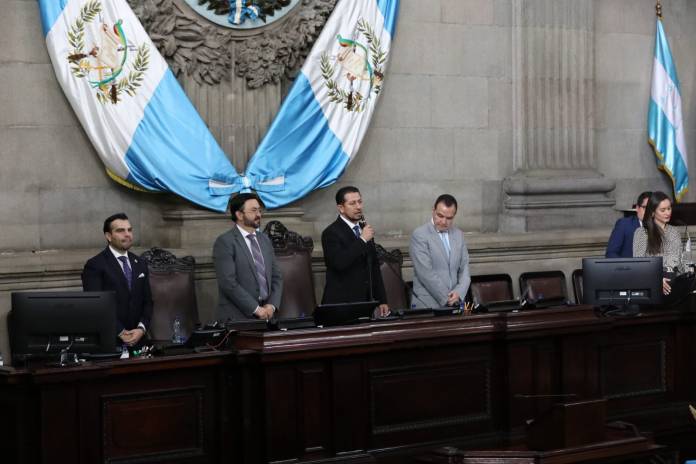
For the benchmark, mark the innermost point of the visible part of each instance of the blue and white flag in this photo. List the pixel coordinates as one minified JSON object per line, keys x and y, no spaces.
{"x":142,"y":125}
{"x":665,"y":124}
{"x":323,"y":120}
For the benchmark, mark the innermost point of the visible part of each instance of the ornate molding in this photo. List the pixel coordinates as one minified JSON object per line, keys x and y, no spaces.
{"x":195,"y":47}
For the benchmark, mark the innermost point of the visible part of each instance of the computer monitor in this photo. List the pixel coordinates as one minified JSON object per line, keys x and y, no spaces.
{"x":41,"y":324}
{"x":622,"y":281}
{"x":344,"y":313}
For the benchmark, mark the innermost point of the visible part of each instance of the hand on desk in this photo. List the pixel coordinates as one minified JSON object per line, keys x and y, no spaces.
{"x":666,"y":289}
{"x":131,"y":337}
{"x":453,"y":299}
{"x":264,"y":312}
{"x":383,"y":310}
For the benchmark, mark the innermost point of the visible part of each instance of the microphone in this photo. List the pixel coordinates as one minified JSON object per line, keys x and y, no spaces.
{"x":362,"y":222}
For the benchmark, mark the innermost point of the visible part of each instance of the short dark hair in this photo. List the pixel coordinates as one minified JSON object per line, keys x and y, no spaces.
{"x":343,"y":191}
{"x":112,"y":218}
{"x":447,"y":199}
{"x":237,"y":203}
{"x":642,"y":197}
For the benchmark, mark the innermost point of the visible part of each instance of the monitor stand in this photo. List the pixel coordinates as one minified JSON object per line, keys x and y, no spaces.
{"x":623,"y":310}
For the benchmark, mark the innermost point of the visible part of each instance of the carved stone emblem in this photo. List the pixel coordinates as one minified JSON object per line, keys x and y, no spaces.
{"x":197,"y":47}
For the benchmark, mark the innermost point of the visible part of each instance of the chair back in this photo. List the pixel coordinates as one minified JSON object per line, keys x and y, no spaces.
{"x":490,"y":288}
{"x":397,"y":291}
{"x":577,"y":286}
{"x":173,"y":289}
{"x":545,"y":288}
{"x":294,"y":257}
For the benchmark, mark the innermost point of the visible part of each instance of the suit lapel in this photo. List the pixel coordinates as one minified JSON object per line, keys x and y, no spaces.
{"x":345,"y":229}
{"x":241,"y":243}
{"x":435,"y":238}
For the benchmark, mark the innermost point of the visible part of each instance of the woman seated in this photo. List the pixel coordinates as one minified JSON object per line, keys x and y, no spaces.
{"x":657,"y":238}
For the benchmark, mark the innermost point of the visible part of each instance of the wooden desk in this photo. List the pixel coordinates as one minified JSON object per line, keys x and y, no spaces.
{"x":386,"y":391}
{"x":380,"y":392}
{"x":134,"y":410}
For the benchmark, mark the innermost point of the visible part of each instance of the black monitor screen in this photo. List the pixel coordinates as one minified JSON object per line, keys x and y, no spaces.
{"x":615,"y":281}
{"x":41,"y":324}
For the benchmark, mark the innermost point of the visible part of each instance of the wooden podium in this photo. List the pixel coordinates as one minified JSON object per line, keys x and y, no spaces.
{"x":568,"y":425}
{"x":573,"y":432}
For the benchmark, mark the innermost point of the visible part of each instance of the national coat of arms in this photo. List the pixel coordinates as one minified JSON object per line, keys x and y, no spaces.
{"x":360,"y":68}
{"x":104,"y":62}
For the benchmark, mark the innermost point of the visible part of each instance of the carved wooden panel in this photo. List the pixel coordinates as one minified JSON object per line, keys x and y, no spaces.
{"x":435,"y":398}
{"x":634,"y":369}
{"x":297,"y":398}
{"x":157,"y":426}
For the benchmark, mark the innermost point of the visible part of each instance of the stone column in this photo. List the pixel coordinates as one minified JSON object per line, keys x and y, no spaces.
{"x":555,"y":183}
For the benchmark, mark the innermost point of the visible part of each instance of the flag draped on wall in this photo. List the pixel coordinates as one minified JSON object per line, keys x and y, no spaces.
{"x":323,"y":120}
{"x":665,"y":125}
{"x":144,"y":128}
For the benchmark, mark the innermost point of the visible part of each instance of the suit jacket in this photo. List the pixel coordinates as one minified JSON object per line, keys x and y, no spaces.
{"x":435,"y":275}
{"x":346,"y":259}
{"x":238,"y":285}
{"x":620,"y":243}
{"x":104,"y":273}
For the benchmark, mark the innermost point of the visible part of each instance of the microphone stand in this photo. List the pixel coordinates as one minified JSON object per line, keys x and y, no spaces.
{"x":370,"y":248}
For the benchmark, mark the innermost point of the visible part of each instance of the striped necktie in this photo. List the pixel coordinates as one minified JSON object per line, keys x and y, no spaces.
{"x":260,"y":267}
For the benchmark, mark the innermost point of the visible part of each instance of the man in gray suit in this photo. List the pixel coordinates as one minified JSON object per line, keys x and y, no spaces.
{"x":440,"y":259}
{"x":249,"y":280}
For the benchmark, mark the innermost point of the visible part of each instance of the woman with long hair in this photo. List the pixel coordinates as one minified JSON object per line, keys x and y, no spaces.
{"x":658,"y":238}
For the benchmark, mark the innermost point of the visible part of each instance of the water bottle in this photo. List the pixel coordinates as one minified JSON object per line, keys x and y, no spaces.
{"x":177,"y":336}
{"x":1,"y":361}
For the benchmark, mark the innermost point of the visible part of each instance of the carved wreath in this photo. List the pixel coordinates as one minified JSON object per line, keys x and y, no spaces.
{"x":193,"y":46}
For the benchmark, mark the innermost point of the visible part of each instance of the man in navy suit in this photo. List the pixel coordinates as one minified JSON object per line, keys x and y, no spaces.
{"x":620,"y":243}
{"x":350,"y":255}
{"x":116,"y":269}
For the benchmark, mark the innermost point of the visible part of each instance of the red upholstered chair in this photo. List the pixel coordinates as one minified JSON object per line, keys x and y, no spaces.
{"x":547,"y":288}
{"x":294,"y":257}
{"x":173,"y":293}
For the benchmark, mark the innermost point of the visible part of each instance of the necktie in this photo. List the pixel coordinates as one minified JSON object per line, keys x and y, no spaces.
{"x":127,"y":271}
{"x":260,"y":267}
{"x":356,"y":229}
{"x":445,"y":241}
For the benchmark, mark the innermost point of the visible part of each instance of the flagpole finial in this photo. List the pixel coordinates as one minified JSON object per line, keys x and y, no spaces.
{"x":658,"y":9}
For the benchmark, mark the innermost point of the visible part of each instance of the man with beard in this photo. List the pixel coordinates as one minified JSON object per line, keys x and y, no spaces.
{"x":116,"y":269}
{"x":350,"y":255}
{"x":249,"y":279}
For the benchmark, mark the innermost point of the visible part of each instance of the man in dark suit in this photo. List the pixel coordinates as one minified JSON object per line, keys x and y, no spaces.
{"x":620,"y":243}
{"x":117,"y":269}
{"x":350,"y":255}
{"x":249,"y":280}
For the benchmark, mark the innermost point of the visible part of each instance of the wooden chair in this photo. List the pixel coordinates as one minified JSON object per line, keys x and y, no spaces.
{"x":173,"y":293}
{"x":294,"y":257}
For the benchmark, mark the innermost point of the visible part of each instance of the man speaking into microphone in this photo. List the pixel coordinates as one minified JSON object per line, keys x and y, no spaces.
{"x":352,"y":268}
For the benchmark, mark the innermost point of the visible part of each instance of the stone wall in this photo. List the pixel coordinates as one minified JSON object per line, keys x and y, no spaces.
{"x":444,"y":123}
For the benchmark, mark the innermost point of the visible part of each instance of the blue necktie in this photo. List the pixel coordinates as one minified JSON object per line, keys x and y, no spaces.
{"x":127,"y":271}
{"x":445,"y":241}
{"x":356,"y":229}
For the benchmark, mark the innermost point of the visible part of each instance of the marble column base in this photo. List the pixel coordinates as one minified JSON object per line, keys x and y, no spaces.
{"x":563,"y":199}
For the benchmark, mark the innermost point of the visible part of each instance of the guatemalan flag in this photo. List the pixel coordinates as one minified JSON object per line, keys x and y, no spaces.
{"x":665,"y":124}
{"x":139,"y":120}
{"x":322,"y":121}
